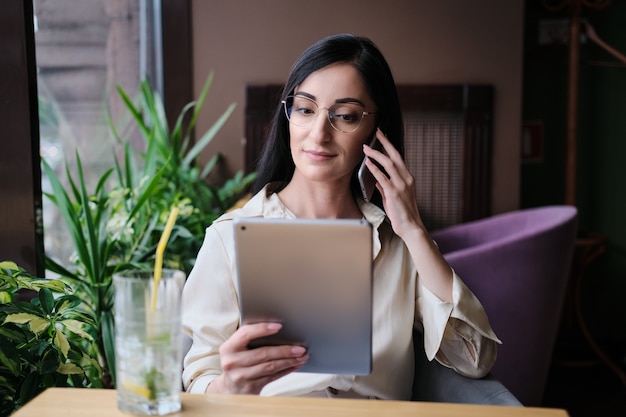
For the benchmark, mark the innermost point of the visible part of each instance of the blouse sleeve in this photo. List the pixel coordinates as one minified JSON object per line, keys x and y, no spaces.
{"x":210,"y":308}
{"x":450,"y":327}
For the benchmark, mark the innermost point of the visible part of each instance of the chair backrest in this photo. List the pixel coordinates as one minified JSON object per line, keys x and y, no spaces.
{"x":518,"y":265}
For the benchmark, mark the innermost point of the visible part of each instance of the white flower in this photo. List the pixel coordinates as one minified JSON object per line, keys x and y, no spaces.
{"x":118,"y":195}
{"x":119,"y":227}
{"x":74,"y":258}
{"x":142,"y":182}
{"x":185,"y":208}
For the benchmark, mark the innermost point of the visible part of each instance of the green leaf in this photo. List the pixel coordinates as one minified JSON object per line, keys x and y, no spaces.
{"x":155,"y":113}
{"x":53,"y":266}
{"x":30,"y":283}
{"x":30,"y":387}
{"x":5,"y":297}
{"x":61,"y":342}
{"x":12,"y":333}
{"x":64,"y":303}
{"x":38,"y":325}
{"x":102,"y":181}
{"x":72,"y":183}
{"x":177,"y":131}
{"x":152,"y":156}
{"x":8,"y":265}
{"x":77,"y":327}
{"x":91,"y":237}
{"x":20,"y":318}
{"x":69,"y":369}
{"x":130,"y":168}
{"x":25,"y":307}
{"x":207,"y":137}
{"x":46,"y":300}
{"x":200,"y":101}
{"x":152,"y":185}
{"x":134,"y":111}
{"x":49,"y":361}
{"x":69,"y":215}
{"x":108,"y":338}
{"x":54,"y":285}
{"x":210,"y":165}
{"x":10,"y":357}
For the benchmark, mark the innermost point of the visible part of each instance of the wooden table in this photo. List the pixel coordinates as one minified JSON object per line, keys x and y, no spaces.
{"x":76,"y":402}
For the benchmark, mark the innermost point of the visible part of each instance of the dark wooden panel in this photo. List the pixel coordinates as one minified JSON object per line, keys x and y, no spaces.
{"x":177,"y":56}
{"x":478,"y":112}
{"x":464,"y":160}
{"x":261,"y":101}
{"x":430,"y":97}
{"x":21,"y":223}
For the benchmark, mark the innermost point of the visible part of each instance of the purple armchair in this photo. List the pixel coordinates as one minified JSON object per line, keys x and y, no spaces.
{"x":517,"y":264}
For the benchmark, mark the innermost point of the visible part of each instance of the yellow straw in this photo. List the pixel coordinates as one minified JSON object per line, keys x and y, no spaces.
{"x":158,"y":262}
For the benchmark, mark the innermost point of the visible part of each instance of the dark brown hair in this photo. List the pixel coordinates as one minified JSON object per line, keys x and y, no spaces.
{"x":275,"y":163}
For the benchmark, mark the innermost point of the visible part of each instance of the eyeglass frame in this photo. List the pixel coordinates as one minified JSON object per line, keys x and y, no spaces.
{"x":363,"y":114}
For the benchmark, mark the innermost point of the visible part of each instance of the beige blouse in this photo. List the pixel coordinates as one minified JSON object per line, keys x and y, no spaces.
{"x":400,"y":303}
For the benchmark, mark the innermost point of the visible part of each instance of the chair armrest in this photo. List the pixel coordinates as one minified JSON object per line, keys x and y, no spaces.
{"x":436,"y":383}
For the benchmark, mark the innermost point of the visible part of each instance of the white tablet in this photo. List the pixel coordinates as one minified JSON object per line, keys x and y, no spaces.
{"x":315,"y":277}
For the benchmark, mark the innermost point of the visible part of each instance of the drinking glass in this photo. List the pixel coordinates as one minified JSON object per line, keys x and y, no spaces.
{"x":148,"y":341}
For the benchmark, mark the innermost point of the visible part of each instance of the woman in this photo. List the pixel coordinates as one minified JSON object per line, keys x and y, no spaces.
{"x":340,"y":93}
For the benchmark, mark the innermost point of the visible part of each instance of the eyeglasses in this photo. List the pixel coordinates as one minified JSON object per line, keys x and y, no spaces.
{"x":344,"y":117}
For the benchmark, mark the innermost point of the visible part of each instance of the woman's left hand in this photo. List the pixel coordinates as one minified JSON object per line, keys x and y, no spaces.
{"x":397,"y":190}
{"x":400,"y":204}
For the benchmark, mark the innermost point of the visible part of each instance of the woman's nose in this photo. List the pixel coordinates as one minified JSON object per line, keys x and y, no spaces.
{"x":321,"y":128}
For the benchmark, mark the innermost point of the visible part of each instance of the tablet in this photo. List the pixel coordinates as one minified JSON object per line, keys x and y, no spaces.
{"x":315,"y":277}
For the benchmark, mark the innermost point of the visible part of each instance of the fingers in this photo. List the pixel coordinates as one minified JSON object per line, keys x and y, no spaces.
{"x":397,"y":186}
{"x":252,"y":378}
{"x":263,"y":355}
{"x":235,"y":352}
{"x":246,"y":333}
{"x":249,"y":370}
{"x":391,"y":161}
{"x":391,"y":151}
{"x":380,"y":176}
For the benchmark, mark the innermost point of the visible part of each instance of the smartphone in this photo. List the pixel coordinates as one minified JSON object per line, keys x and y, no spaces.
{"x":367,"y":181}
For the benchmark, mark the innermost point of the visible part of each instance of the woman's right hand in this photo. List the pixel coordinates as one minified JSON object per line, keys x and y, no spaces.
{"x":247,"y":371}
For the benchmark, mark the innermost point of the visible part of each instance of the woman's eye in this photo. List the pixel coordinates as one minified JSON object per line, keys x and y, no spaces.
{"x":347,"y":117}
{"x":305,"y":111}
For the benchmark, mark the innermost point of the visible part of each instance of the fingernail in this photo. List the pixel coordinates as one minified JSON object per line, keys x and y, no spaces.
{"x":274,"y":326}
{"x":298,"y":350}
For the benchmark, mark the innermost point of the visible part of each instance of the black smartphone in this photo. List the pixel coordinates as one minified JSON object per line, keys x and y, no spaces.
{"x":367,"y":181}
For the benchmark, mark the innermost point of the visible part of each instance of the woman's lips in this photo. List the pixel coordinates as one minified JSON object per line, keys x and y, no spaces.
{"x":319,"y":155}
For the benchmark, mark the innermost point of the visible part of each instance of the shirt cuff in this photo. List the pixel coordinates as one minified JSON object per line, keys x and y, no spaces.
{"x":200,"y":384}
{"x":469,"y":310}
{"x":464,"y":307}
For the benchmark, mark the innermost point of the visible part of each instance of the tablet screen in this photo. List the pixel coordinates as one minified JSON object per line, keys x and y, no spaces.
{"x":315,"y":277}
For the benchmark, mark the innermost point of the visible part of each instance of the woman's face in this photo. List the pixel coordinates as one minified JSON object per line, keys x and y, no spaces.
{"x":319,"y":151}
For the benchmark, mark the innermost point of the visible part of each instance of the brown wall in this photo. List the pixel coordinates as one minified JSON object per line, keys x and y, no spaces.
{"x":443,"y":41}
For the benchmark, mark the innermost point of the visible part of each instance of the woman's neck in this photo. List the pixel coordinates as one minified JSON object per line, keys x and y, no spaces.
{"x":319,"y":200}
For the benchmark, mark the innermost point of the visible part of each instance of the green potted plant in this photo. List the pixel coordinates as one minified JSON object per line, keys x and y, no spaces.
{"x":117,"y":226}
{"x":44,"y":342}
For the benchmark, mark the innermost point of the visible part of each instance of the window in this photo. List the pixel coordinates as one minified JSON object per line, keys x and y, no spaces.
{"x":84,"y":55}
{"x":84,"y":51}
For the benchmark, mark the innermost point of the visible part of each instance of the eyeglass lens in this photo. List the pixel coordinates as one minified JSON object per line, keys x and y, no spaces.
{"x":302,"y":111}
